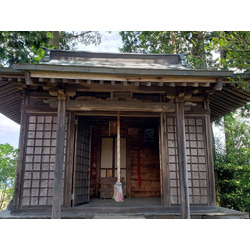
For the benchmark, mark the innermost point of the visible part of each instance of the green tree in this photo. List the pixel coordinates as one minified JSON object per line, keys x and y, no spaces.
{"x":22,"y":46}
{"x":70,"y":40}
{"x":27,"y":46}
{"x":232,"y":167}
{"x":8,"y":161}
{"x":195,"y":44}
{"x":232,"y":47}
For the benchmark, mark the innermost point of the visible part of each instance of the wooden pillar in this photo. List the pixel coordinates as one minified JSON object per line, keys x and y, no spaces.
{"x":182,"y":160}
{"x":210,"y":158}
{"x":58,"y":176}
{"x":164,"y":164}
{"x":17,"y":199}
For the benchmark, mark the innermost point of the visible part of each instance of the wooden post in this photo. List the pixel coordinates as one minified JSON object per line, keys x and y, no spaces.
{"x":210,"y":157}
{"x":58,"y":176}
{"x":164,"y":164}
{"x":17,"y":199}
{"x":182,"y":159}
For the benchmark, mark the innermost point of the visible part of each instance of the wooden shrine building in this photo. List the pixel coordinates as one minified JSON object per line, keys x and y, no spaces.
{"x":67,"y":107}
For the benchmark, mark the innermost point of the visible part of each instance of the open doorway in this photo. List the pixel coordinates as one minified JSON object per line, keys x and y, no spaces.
{"x":140,"y":167}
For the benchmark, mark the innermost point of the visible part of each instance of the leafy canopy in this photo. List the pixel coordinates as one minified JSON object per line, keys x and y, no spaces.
{"x":22,"y":46}
{"x":232,"y":167}
{"x":8,"y":158}
{"x":232,"y":47}
{"x":27,"y":46}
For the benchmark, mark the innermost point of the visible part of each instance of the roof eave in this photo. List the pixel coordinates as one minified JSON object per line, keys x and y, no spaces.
{"x":127,"y":71}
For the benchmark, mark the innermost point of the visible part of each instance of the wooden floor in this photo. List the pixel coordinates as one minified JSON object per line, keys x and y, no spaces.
{"x":128,"y":202}
{"x":131,"y":208}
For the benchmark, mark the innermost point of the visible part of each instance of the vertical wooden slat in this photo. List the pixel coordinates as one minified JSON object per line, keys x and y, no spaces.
{"x":74,"y":162}
{"x":210,"y":158}
{"x":182,"y":161}
{"x":58,"y":176}
{"x":128,"y":171}
{"x":82,"y":163}
{"x":98,"y":163}
{"x":164,"y":163}
{"x":113,"y":157}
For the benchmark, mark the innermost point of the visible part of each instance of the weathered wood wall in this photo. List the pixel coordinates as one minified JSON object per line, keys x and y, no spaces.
{"x":196,"y":160}
{"x":149,"y":167}
{"x":39,"y":160}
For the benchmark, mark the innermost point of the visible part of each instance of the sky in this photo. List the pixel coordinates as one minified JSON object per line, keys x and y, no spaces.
{"x":9,"y":130}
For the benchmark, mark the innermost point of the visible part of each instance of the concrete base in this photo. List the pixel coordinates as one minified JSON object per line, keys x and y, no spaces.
{"x":131,"y":208}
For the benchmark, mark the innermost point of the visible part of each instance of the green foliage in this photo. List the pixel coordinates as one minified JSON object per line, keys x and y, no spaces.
{"x":27,"y":46}
{"x":232,"y":167}
{"x":8,"y":158}
{"x":241,"y":83}
{"x":235,"y":49}
{"x":233,"y":186}
{"x":22,"y":46}
{"x":199,"y":46}
{"x":195,"y":44}
{"x":71,"y":40}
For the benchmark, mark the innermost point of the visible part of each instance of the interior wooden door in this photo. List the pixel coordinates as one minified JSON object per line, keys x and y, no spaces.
{"x":82,"y":163}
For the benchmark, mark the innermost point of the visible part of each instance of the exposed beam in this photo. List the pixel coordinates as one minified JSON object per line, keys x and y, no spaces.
{"x":231,"y":98}
{"x":28,"y":80}
{"x":104,"y":105}
{"x":204,"y":84}
{"x":219,"y":84}
{"x":237,"y":94}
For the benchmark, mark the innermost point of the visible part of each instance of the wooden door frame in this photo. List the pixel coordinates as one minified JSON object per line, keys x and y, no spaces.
{"x":72,"y":160}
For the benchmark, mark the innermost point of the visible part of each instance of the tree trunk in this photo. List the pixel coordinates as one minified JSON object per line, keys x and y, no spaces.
{"x":55,"y":41}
